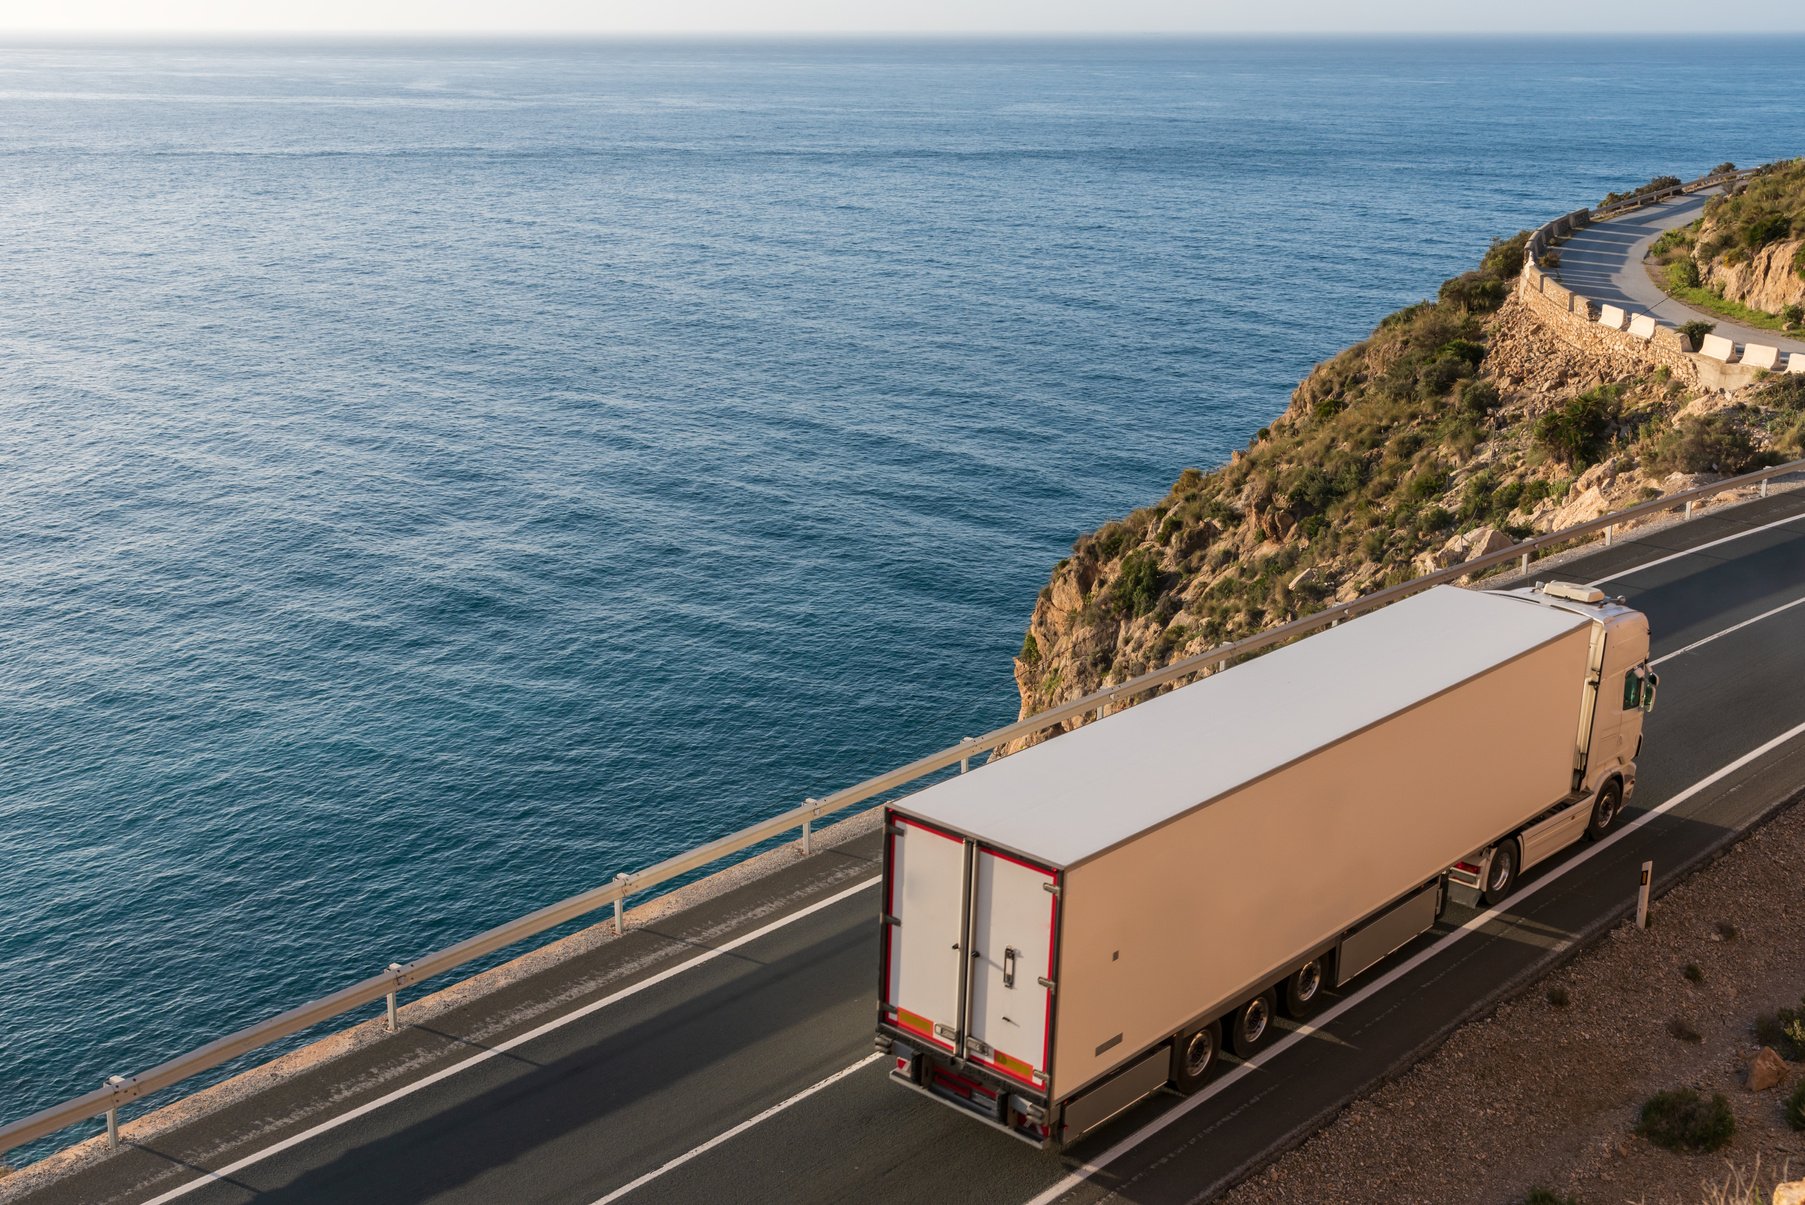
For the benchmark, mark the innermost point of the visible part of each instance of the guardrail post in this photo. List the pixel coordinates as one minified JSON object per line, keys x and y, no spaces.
{"x":389,"y":1023}
{"x":1523,"y":563}
{"x":620,"y":923}
{"x":1648,"y":869}
{"x":808,"y":828}
{"x":1689,"y":508}
{"x":113,"y":1081}
{"x":1608,"y":533}
{"x":965,"y":762}
{"x":1764,"y":482}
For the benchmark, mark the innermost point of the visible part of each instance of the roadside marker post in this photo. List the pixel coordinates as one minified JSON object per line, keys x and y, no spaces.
{"x":620,"y":925}
{"x":1648,"y":869}
{"x":113,"y":1081}
{"x":394,"y":968}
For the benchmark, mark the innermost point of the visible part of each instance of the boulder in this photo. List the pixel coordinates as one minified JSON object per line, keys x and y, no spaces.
{"x":1580,"y":507}
{"x":1479,"y":542}
{"x":1766,"y":1070}
{"x":1790,"y":1193}
{"x":1308,"y":575}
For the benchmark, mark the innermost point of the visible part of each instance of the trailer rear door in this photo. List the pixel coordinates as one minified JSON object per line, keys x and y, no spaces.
{"x":926,"y":912}
{"x":1013,"y":919}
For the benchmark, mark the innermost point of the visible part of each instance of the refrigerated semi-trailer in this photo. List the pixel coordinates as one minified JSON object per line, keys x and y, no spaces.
{"x":1070,"y":929}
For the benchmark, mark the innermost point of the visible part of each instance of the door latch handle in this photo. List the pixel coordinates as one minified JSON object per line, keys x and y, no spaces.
{"x":1009,"y":967}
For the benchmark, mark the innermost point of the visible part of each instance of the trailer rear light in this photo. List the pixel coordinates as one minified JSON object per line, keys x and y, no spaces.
{"x":1466,"y":866}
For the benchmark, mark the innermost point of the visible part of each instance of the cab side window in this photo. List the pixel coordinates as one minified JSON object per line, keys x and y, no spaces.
{"x":1632,"y":690}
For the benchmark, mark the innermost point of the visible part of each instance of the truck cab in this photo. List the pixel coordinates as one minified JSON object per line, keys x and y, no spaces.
{"x":1619,"y":691}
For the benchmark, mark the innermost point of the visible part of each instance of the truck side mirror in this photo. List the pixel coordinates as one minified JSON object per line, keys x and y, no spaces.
{"x":1648,"y":691}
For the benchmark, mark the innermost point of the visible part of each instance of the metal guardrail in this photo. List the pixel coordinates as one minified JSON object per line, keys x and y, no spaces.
{"x":121,"y":1090}
{"x":1545,"y":234}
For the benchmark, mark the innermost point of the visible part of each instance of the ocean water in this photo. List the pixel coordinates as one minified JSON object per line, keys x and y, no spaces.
{"x":435,"y":477}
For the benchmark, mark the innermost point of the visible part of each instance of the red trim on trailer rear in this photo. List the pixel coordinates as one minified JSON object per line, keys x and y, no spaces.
{"x":927,"y":828}
{"x":1046,"y":1054}
{"x":883,"y":971}
{"x":997,"y":853}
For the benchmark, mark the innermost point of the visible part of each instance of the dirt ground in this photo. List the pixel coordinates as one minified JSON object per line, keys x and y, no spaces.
{"x":1541,"y":1095}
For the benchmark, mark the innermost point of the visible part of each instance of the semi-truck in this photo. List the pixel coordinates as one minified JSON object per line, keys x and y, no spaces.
{"x":1067,"y":930}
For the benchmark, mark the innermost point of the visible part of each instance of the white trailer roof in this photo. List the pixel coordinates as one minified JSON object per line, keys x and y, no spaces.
{"x":1093,"y":788}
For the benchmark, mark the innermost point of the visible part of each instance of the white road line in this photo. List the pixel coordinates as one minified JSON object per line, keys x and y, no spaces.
{"x":593,"y":1006}
{"x":1086,"y":1171}
{"x":741,"y":1128}
{"x":1611,"y":577}
{"x":1732,"y":628}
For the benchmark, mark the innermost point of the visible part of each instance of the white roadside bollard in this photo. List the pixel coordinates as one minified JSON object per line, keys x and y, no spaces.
{"x":620,"y":924}
{"x":1648,"y":874}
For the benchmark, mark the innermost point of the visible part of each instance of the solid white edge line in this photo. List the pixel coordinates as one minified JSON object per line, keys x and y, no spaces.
{"x":1685,"y":552}
{"x":593,"y":1006}
{"x":1700,"y":643}
{"x":1086,"y":1171}
{"x":741,"y":1128}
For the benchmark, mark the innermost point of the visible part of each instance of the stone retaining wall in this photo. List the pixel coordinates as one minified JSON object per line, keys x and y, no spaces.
{"x":1574,"y":319}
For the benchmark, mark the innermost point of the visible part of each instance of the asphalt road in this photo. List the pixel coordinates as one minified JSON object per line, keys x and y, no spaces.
{"x":683,"y":1085}
{"x":1603,"y":262}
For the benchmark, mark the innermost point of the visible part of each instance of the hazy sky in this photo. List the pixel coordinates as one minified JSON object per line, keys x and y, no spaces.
{"x":873,"y":16}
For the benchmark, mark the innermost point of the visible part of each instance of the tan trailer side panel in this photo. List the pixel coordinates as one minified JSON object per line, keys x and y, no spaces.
{"x":1179,"y":919}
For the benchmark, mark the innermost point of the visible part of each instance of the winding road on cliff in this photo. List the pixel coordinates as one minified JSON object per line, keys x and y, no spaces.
{"x":725,"y":1054}
{"x":1603,"y":262}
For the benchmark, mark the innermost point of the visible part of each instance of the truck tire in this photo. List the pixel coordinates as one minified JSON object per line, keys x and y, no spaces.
{"x":1248,"y":1025}
{"x":1606,"y":810}
{"x":1501,"y":876}
{"x":1194,"y":1057}
{"x":1303,"y":989}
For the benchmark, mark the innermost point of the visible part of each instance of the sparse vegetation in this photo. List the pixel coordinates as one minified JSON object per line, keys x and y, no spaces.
{"x":1559,"y":996}
{"x":1693,"y":974}
{"x":1696,"y":330}
{"x":1655,"y":185}
{"x":1795,"y":1107}
{"x":1579,"y":431}
{"x":1784,"y":1030}
{"x":1547,"y":1196}
{"x":1719,"y":442}
{"x":1682,"y":1120}
{"x":1680,"y":1028}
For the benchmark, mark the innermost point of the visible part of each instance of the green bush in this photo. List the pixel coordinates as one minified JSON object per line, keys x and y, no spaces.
{"x":1030,"y":654}
{"x":1474,"y":291}
{"x":1798,"y":261}
{"x":1784,"y":1030}
{"x":1504,"y":258}
{"x":1681,"y":1120}
{"x":1137,"y":590}
{"x":1793,"y":315}
{"x":1579,"y":431}
{"x":1769,"y":228}
{"x":1696,"y":330}
{"x":1795,"y":1107}
{"x":1709,"y":443}
{"x":1682,"y":274}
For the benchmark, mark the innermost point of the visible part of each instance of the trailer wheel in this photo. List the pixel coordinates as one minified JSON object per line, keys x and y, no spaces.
{"x":1194,"y":1057}
{"x":1249,"y":1024}
{"x":1606,"y":810}
{"x":1501,"y":878}
{"x":1303,"y":989}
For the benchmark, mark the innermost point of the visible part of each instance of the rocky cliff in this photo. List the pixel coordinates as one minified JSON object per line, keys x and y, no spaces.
{"x":1458,"y":425}
{"x":1749,"y":247}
